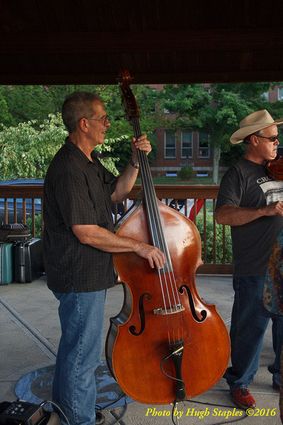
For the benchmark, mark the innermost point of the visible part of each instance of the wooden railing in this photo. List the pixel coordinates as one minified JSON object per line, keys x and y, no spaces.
{"x":24,"y":204}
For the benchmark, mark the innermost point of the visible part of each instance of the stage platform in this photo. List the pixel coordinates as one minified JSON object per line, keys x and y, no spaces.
{"x":29,"y":335}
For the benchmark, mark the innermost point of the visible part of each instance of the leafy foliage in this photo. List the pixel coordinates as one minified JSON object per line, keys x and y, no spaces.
{"x":185,"y":173}
{"x":27,"y":111}
{"x":216,"y":109}
{"x":32,"y":130}
{"x":214,"y":249}
{"x":5,"y":116}
{"x":26,"y":103}
{"x":37,"y":225}
{"x":27,"y":149}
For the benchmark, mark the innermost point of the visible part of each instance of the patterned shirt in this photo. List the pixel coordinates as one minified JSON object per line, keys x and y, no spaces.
{"x":273,"y":286}
{"x":76,"y":191}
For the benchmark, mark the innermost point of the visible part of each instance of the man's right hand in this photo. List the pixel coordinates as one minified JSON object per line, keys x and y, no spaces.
{"x":276,"y":208}
{"x":153,"y":255}
{"x":103,"y":239}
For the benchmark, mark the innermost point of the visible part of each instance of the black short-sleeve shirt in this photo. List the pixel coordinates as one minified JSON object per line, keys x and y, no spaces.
{"x":76,"y":191}
{"x":246,"y":184}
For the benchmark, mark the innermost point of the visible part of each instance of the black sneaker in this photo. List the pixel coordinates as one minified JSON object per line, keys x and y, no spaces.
{"x":100,"y":418}
{"x":270,"y":368}
{"x":276,"y":381}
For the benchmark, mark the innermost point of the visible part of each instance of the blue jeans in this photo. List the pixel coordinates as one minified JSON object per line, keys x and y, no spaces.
{"x":74,"y":386}
{"x":248,"y":324}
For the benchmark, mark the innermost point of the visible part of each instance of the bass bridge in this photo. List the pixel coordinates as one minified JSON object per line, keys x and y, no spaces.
{"x":177,"y":308}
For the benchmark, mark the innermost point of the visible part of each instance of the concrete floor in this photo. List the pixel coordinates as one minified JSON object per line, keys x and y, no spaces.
{"x":29,"y":335}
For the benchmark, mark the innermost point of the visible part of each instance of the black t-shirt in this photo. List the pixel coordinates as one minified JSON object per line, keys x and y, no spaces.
{"x":76,"y":191}
{"x":246,"y":184}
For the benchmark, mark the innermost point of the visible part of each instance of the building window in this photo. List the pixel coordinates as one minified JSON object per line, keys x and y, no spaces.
{"x":187,"y":144}
{"x":203,"y":146}
{"x":280,"y":93}
{"x":265,"y":96}
{"x":169,"y":144}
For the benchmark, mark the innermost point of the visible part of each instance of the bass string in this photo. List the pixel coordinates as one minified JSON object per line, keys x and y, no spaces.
{"x":158,"y":233}
{"x":168,"y":285}
{"x":171,"y":298}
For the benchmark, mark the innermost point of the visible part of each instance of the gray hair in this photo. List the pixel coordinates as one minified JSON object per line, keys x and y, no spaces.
{"x":257,"y":133}
{"x":76,"y":106}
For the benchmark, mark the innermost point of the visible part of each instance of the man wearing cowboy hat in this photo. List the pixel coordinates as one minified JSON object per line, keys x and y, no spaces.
{"x":252,"y":204}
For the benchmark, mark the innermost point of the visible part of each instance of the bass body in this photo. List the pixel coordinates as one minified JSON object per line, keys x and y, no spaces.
{"x":138,"y":350}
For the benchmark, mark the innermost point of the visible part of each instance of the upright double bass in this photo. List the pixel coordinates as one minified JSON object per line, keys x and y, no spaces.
{"x":275,"y":168}
{"x":166,"y":344}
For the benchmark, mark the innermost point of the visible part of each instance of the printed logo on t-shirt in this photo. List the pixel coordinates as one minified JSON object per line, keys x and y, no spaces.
{"x":272,"y":189}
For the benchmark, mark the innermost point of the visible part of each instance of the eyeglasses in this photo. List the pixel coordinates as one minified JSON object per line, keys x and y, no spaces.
{"x":271,"y":138}
{"x":104,"y":119}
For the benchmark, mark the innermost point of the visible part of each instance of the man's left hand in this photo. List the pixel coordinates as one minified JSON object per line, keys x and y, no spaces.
{"x":142,"y":144}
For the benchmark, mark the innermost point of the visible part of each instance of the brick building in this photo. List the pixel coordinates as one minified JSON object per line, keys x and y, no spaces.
{"x":177,"y":149}
{"x":180,"y":148}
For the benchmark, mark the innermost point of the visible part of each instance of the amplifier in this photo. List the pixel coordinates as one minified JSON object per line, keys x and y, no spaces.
{"x":22,"y":413}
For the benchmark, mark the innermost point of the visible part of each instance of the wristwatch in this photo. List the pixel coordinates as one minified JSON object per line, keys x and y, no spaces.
{"x":134,"y":164}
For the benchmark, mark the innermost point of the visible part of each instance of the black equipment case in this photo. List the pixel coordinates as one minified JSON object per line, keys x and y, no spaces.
{"x":28,"y":260}
{"x":14,"y":232}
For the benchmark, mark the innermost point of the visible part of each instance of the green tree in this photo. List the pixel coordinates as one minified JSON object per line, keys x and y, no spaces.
{"x":5,"y":116}
{"x":214,"y":248}
{"x":19,"y":104}
{"x":27,"y":149}
{"x":216,"y":109}
{"x":27,"y":103}
{"x":121,"y":132}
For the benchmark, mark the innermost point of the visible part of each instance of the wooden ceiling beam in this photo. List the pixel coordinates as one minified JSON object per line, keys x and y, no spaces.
{"x":149,"y":77}
{"x":135,"y":42}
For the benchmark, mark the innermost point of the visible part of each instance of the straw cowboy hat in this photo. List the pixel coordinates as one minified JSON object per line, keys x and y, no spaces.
{"x":252,"y":123}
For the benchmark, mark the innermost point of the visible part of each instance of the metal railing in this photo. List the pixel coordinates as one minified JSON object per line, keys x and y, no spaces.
{"x":24,"y":204}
